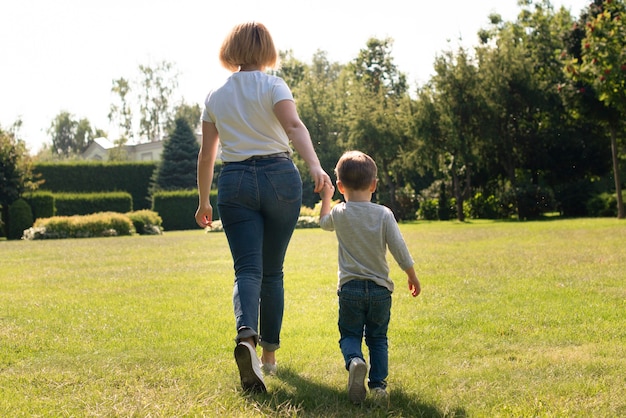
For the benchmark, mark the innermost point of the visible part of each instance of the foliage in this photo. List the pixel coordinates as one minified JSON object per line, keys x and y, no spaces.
{"x":121,"y":113}
{"x":16,"y":168}
{"x":103,"y":224}
{"x":603,"y":55}
{"x":595,"y":62}
{"x":70,"y":137}
{"x":603,"y":205}
{"x":21,"y":218}
{"x":157,"y":85}
{"x":377,"y":114}
{"x":16,"y":173}
{"x":177,"y":169}
{"x":146,"y":222}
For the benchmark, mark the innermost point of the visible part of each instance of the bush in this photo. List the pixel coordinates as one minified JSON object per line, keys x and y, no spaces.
{"x":484,"y":207}
{"x":42,"y":204}
{"x":20,"y":218}
{"x":603,"y":205}
{"x":428,"y":210}
{"x":105,"y":224}
{"x":146,"y":222}
{"x":69,"y":204}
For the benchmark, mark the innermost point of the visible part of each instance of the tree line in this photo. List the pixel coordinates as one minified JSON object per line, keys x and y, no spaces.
{"x":529,"y":121}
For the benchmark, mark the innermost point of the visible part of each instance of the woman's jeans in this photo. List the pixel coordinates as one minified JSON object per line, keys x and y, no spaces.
{"x":259,"y":203}
{"x":365,"y":309}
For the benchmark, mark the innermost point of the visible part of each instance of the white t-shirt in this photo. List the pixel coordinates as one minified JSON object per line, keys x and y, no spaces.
{"x":242,"y":110}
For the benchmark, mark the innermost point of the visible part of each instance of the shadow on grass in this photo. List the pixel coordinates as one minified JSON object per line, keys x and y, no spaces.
{"x":290,"y":394}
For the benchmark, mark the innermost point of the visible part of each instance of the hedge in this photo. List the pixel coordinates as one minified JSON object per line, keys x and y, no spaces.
{"x":68,"y":204}
{"x":92,"y":177}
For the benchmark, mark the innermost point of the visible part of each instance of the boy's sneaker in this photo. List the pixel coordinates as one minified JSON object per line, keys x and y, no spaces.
{"x":249,"y":368}
{"x":269,"y":369}
{"x":356,"y":380}
{"x":380,"y":396}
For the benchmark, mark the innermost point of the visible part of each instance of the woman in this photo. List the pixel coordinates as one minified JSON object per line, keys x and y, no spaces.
{"x":252,"y":117}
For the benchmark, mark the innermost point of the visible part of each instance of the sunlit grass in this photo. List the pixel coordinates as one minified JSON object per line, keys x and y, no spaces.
{"x":515,"y":319}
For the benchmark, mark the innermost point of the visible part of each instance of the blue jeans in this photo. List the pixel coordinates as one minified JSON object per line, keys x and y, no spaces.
{"x":259,"y":204}
{"x":365,"y":310}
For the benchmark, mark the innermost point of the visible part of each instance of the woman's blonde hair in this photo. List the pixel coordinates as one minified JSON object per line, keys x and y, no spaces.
{"x":248,"y":44}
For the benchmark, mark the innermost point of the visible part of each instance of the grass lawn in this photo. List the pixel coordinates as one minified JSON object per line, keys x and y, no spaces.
{"x":515,"y":319}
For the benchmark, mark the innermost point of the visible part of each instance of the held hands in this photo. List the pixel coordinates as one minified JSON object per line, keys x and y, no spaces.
{"x":327,"y":192}
{"x":320,"y":178}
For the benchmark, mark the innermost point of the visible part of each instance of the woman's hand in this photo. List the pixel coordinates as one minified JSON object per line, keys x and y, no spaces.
{"x":204,"y":216}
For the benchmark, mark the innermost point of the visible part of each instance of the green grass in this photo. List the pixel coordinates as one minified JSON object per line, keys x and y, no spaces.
{"x":515,"y":319}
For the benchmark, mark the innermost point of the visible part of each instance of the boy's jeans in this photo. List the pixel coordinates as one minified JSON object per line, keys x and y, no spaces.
{"x":365,"y":309}
{"x":259,"y":204}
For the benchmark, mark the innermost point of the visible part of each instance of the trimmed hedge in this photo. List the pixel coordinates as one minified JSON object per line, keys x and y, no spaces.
{"x":91,"y":177}
{"x":42,"y":204}
{"x":86,"y":203}
{"x":176,"y":208}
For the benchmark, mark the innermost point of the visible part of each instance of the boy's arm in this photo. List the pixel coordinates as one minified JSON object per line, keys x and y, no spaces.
{"x":414,"y":283}
{"x":326,"y":194}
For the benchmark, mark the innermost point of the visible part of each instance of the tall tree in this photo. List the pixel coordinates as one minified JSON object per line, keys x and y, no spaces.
{"x":120,"y":111}
{"x":156,"y":88}
{"x":177,"y":169}
{"x":191,"y":113}
{"x":376,"y":115}
{"x":598,"y":68}
{"x":455,"y":135}
{"x":319,"y":98}
{"x":69,"y":136}
{"x":16,"y":169}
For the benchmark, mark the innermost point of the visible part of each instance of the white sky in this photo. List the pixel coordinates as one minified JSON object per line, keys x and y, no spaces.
{"x":64,"y":54}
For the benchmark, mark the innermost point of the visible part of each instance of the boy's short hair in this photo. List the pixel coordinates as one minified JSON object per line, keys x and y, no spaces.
{"x":356,"y":170}
{"x":248,"y":43}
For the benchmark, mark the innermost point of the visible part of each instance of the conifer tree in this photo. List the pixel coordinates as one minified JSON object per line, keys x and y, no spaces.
{"x":177,"y":170}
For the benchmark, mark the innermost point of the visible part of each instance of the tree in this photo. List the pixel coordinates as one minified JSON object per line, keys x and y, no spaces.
{"x":377,"y":113}
{"x":191,"y":113}
{"x":177,"y":169}
{"x":157,"y":85}
{"x":69,"y":136}
{"x":16,"y":170}
{"x":120,"y":112}
{"x":598,"y":69}
{"x":450,"y":121}
{"x":319,"y":97}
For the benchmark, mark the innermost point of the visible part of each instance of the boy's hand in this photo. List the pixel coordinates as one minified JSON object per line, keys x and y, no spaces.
{"x":327,"y":191}
{"x":414,"y":286}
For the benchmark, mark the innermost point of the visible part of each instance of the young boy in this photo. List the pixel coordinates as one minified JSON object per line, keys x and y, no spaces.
{"x":364,"y":231}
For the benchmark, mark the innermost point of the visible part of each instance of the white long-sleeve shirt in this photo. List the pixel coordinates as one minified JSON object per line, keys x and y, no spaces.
{"x":364,"y":232}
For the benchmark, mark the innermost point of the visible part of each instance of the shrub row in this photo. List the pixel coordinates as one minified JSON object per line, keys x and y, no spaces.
{"x":104,"y":224}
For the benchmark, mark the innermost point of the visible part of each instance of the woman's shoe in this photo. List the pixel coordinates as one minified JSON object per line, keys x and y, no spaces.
{"x":249,"y":368}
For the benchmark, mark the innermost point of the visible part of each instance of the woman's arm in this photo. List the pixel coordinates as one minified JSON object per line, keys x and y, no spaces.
{"x":206,"y":164}
{"x":298,"y":134}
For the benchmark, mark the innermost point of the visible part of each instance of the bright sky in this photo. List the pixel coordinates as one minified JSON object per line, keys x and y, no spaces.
{"x":63,"y":55}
